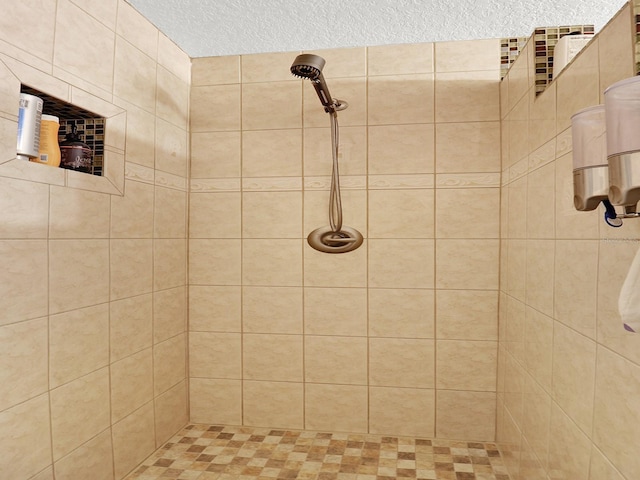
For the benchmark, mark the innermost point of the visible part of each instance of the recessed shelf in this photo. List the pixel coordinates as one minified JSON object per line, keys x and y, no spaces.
{"x":90,"y":126}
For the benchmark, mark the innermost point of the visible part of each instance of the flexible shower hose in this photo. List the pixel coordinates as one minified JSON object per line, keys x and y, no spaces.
{"x":335,"y":200}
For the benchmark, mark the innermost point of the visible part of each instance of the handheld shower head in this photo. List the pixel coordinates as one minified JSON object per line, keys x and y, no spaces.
{"x":310,"y":66}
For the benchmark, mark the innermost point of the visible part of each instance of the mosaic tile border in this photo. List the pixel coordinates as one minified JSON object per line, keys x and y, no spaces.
{"x":208,"y":452}
{"x":544,"y":41}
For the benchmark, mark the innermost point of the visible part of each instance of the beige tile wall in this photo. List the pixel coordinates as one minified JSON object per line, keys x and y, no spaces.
{"x":568,"y":374}
{"x":93,"y":291}
{"x":397,"y":337}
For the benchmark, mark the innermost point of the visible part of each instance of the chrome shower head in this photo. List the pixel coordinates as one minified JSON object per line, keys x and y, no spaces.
{"x":310,"y":66}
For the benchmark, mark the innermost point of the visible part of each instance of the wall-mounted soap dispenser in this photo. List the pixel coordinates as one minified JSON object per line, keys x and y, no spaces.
{"x":622,"y":106}
{"x":590,"y":170}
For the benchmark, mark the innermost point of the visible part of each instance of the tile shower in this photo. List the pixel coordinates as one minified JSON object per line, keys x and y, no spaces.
{"x":443,"y":325}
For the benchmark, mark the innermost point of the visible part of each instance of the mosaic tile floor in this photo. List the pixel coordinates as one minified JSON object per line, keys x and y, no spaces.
{"x":204,"y":452}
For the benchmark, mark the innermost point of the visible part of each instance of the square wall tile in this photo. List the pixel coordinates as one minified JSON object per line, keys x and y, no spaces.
{"x":272,"y":310}
{"x":266,"y":67}
{"x":538,"y":347}
{"x":401,"y":263}
{"x":77,"y":265}
{"x":354,"y":209}
{"x":272,"y":215}
{"x":578,"y":87}
{"x":467,"y":314}
{"x":466,"y":365}
{"x":131,"y":326}
{"x":172,"y":99}
{"x":215,"y":215}
{"x":401,"y":99}
{"x":616,"y":426}
{"x":169,"y":364}
{"x":214,"y":262}
{"x":400,"y":59}
{"x":132,"y":214}
{"x":407,"y":313}
{"x":537,"y":417}
{"x":215,"y":355}
{"x":22,"y":201}
{"x":401,"y":213}
{"x":336,"y":408}
{"x":78,"y":213}
{"x":272,"y":153}
{"x":468,"y":147}
{"x":485,"y":203}
{"x":215,"y":70}
{"x":215,"y":309}
{"x":170,"y":217}
{"x":335,"y":360}
{"x":41,"y":43}
{"x":170,"y":412}
{"x":467,"y":96}
{"x":273,"y":404}
{"x":169,"y":313}
{"x":344,"y":62}
{"x":74,"y":26}
{"x":27,"y":450}
{"x":601,"y":467}
{"x":262,"y":105}
{"x":404,"y":411}
{"x":335,"y":311}
{"x":267,"y":263}
{"x":171,"y":148}
{"x":569,"y":448}
{"x":467,"y":264}
{"x":78,"y":343}
{"x":539,"y":275}
{"x":272,"y":357}
{"x":401,"y":362}
{"x":94,"y":459}
{"x":222,"y":99}
{"x":352,"y":151}
{"x":133,"y":440}
{"x":468,"y":56}
{"x":79,"y":411}
{"x":575,"y":284}
{"x":215,"y":154}
{"x":22,"y":298}
{"x":134,"y":76}
{"x":574,"y":368}
{"x":131,"y":267}
{"x":24,"y":363}
{"x":466,"y":415}
{"x":131,"y":384}
{"x":137,"y":30}
{"x":401,"y":149}
{"x":215,"y":401}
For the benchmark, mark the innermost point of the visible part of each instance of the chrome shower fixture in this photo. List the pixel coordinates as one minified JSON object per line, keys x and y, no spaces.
{"x":333,"y":238}
{"x":310,"y":66}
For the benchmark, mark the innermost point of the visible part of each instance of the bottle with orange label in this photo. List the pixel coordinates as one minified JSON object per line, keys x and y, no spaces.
{"x":49,"y":152}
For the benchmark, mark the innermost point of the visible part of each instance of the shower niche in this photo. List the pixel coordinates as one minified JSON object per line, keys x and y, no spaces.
{"x":77,"y":122}
{"x":99,"y":123}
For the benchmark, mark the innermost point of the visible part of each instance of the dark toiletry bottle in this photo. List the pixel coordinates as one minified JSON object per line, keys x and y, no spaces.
{"x":75,"y":154}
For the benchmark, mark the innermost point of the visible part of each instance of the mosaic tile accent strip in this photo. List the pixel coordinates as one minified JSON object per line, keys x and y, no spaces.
{"x":545,"y":40}
{"x":636,"y":12}
{"x":91,"y":132}
{"x":205,"y":452}
{"x":510,"y":48}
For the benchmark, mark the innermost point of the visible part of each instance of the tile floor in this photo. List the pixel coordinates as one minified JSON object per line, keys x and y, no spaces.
{"x":205,"y":452}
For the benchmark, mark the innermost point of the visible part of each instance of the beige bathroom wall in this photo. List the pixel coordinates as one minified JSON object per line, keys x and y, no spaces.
{"x":397,"y":337}
{"x":93,"y":291}
{"x":568,"y":374}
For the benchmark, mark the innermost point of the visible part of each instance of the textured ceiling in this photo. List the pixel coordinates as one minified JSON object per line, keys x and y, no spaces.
{"x":228,"y":27}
